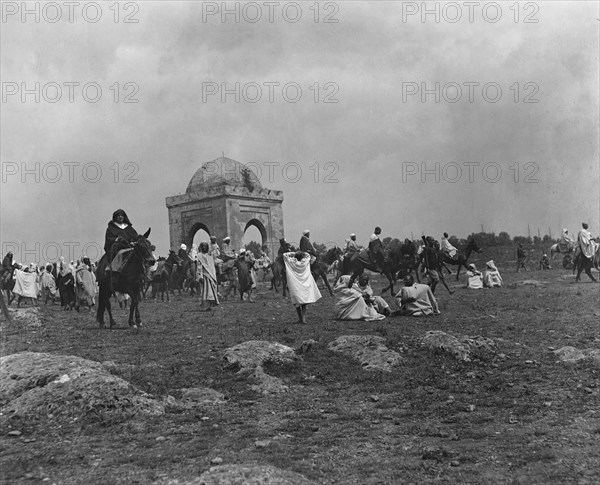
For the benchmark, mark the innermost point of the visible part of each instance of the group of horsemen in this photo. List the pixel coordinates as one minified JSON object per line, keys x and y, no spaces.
{"x":430,"y":255}
{"x":374,"y":253}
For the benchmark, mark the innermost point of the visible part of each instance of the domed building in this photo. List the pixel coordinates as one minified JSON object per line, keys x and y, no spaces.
{"x":224,"y":198}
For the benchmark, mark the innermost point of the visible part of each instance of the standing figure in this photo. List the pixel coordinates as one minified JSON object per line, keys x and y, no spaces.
{"x":207,"y":276}
{"x":85,"y":285}
{"x":585,"y":252}
{"x":521,"y":258}
{"x":244,"y":278}
{"x":301,"y":284}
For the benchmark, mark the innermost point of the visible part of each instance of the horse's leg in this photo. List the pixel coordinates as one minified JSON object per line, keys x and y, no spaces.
{"x":460,"y":265}
{"x":443,"y":280}
{"x":323,"y":276}
{"x":390,"y":279}
{"x":131,"y":322}
{"x":101,"y":305}
{"x":136,"y":304}
{"x":357,"y":272}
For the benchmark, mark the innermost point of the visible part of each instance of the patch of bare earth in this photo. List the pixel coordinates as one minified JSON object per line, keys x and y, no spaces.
{"x":515,"y":415}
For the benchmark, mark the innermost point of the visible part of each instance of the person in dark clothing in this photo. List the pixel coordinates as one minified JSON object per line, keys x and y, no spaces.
{"x":376,"y":254}
{"x":120,"y":234}
{"x":432,"y":262}
{"x":307,"y":247}
{"x":521,"y":258}
{"x":284,"y":247}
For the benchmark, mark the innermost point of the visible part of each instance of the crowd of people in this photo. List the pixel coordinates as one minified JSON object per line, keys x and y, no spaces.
{"x":74,"y":284}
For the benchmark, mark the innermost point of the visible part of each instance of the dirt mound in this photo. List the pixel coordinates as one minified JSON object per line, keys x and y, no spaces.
{"x":369,"y":350}
{"x":462,"y":347}
{"x":26,"y":317}
{"x":253,"y":353}
{"x":245,"y":475}
{"x":67,"y":387}
{"x":249,"y":358}
{"x":572,"y":354}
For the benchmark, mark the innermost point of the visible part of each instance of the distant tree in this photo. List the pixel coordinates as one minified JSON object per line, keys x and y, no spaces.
{"x":521,"y":240}
{"x":537,"y":241}
{"x":254,"y":248}
{"x":504,"y":239}
{"x":547,"y":239}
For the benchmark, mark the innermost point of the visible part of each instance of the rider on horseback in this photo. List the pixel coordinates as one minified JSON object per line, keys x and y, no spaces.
{"x":182,"y":253}
{"x":447,"y":247}
{"x":307,"y":247}
{"x":284,"y":247}
{"x":566,"y":243}
{"x":352,"y":246}
{"x":376,"y":254}
{"x":120,"y":234}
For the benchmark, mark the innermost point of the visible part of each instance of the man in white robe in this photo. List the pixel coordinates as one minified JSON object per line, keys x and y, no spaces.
{"x":447,"y":247}
{"x":301,"y":284}
{"x":351,"y":303}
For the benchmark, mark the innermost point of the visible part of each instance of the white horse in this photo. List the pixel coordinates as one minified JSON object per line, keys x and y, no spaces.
{"x":557,"y":249}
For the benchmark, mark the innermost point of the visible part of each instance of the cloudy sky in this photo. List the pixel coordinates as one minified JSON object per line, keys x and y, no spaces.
{"x":485,"y":117}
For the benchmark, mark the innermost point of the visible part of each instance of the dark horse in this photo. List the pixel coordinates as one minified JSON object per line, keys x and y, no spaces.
{"x":159,"y":280}
{"x":129,"y":281}
{"x":318,"y":270}
{"x":174,"y":266}
{"x":461,"y":257}
{"x":355,"y":265}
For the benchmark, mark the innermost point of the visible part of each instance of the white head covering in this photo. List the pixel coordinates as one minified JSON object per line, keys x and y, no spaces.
{"x":305,"y":232}
{"x":183,"y":246}
{"x":490,"y":264}
{"x":227,"y":239}
{"x":352,"y":235}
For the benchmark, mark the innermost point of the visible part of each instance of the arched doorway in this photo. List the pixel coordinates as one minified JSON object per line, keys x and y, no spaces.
{"x":198,"y":233}
{"x":254,"y":232}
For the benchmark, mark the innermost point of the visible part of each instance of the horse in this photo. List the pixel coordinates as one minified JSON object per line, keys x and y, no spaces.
{"x":461,"y":258}
{"x":227,"y":273}
{"x":406,"y":258}
{"x":159,"y":280}
{"x":129,"y":281}
{"x":174,"y":266}
{"x":560,"y":249}
{"x":8,"y":283}
{"x":318,"y":270}
{"x":585,"y":264}
{"x":355,"y":265}
{"x":190,"y":271}
{"x":278,"y":269}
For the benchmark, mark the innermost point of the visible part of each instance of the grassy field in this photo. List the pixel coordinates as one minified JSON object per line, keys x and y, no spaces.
{"x":521,"y":418}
